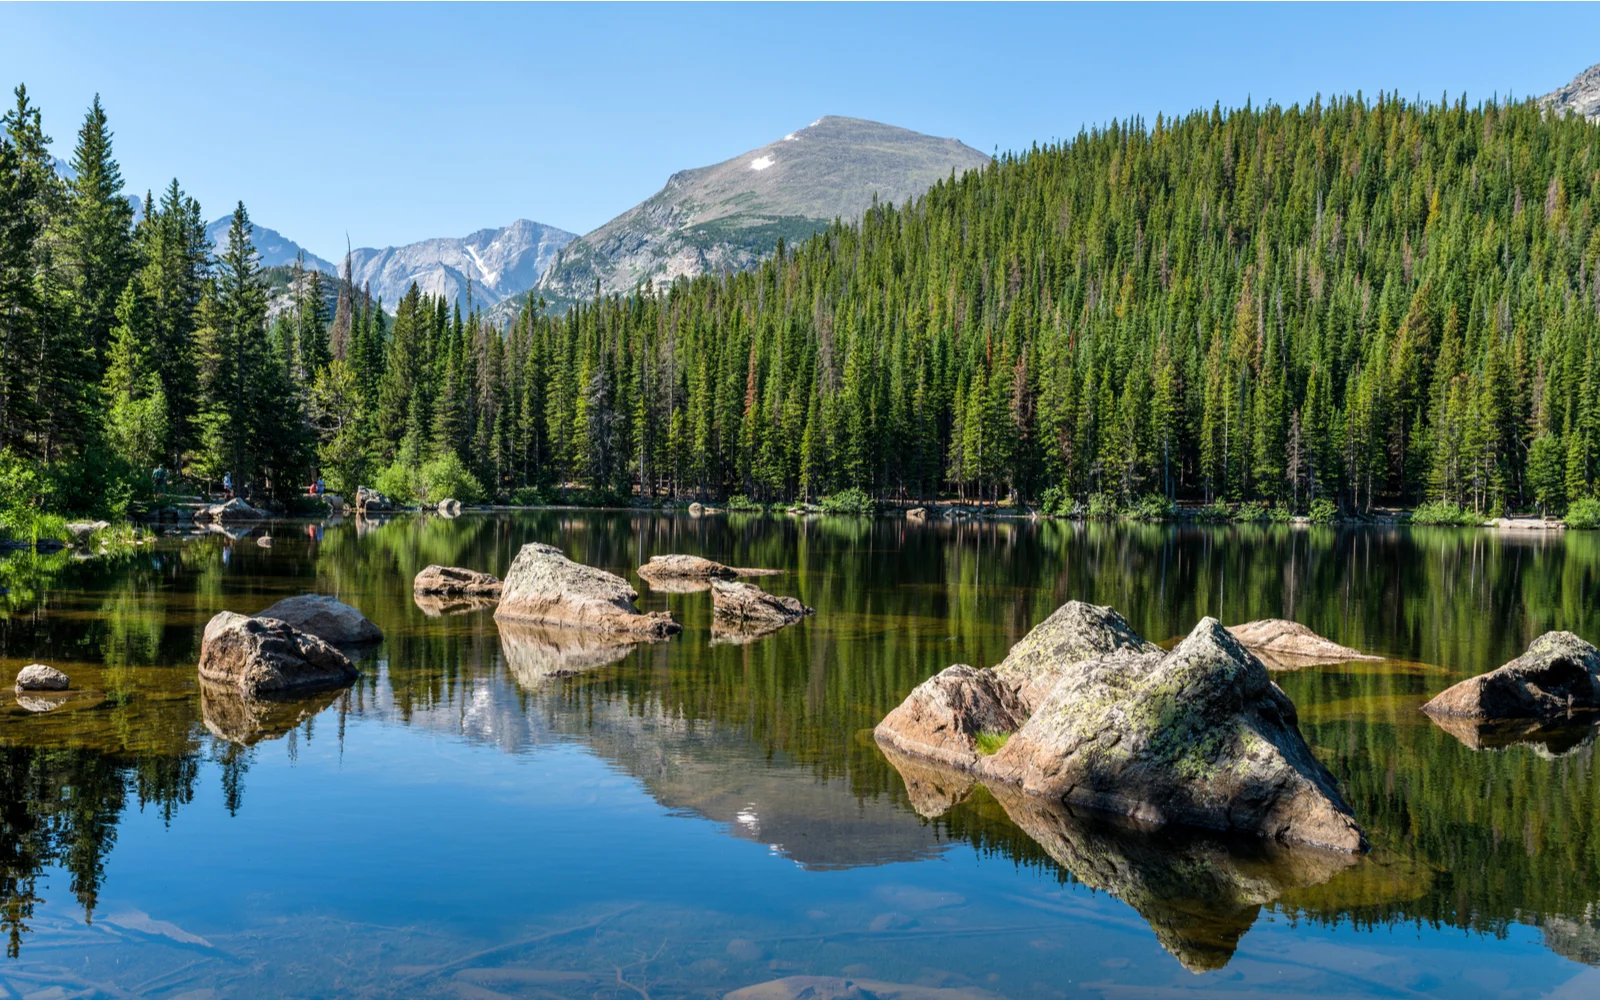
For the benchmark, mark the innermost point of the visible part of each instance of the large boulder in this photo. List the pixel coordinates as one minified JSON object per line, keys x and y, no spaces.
{"x":327,"y":618}
{"x":1286,"y":645}
{"x":237,"y":509}
{"x":38,"y":677}
{"x":449,"y":507}
{"x":543,"y":586}
{"x":263,"y":657}
{"x":748,"y":608}
{"x":1075,"y":632}
{"x":372,"y":502}
{"x":696,"y":509}
{"x":944,"y":715}
{"x":453,"y":581}
{"x":1199,"y":737}
{"x":679,"y":567}
{"x":81,"y":530}
{"x":1559,"y":673}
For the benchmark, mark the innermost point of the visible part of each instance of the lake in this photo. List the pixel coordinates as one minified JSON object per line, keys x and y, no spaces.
{"x":487,"y":815}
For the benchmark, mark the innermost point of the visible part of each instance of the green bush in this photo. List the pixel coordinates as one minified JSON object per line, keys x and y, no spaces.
{"x":1253,"y":510}
{"x":398,"y":482}
{"x":1215,"y":511}
{"x":1280,"y":514}
{"x":530,"y":496}
{"x":1444,"y":512}
{"x":1584,"y":513}
{"x":1152,"y":507}
{"x":1102,"y":507}
{"x":741,"y":502}
{"x":1055,"y":501}
{"x":446,"y":478}
{"x":850,"y":501}
{"x":1323,"y":511}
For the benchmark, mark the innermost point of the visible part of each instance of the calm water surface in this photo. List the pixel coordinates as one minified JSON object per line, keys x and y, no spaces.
{"x":492,"y":814}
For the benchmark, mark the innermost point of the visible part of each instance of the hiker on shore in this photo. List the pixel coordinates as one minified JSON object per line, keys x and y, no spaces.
{"x":227,"y":485}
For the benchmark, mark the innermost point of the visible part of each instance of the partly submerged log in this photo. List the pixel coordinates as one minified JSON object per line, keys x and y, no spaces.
{"x":544,"y":587}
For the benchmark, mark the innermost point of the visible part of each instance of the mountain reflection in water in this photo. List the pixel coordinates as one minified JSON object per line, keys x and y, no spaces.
{"x":770,"y":742}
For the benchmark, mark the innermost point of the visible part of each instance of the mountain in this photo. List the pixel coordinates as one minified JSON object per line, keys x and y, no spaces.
{"x":729,"y":215}
{"x":499,"y":263}
{"x":274,"y":249}
{"x":1582,"y":95}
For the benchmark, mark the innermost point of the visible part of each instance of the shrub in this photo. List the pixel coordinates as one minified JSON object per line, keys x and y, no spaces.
{"x":1152,"y":507}
{"x":1214,"y":511}
{"x":1055,"y":501}
{"x":850,"y":501}
{"x":1102,"y":507}
{"x":530,"y":496}
{"x":1323,"y":511}
{"x":1584,"y":513}
{"x":1253,"y":510}
{"x":447,"y":478}
{"x":1280,"y":514}
{"x":741,"y":502}
{"x":1444,"y":512}
{"x":398,"y":482}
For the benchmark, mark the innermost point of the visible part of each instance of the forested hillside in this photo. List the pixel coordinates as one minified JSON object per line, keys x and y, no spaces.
{"x":1369,"y":302}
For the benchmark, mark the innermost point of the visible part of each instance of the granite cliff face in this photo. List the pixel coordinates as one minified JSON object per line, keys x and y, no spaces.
{"x":498,"y":264}
{"x":730,"y":215}
{"x":1581,"y":95}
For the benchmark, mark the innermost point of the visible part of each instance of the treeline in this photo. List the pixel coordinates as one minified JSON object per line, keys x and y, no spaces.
{"x":1353,"y":301}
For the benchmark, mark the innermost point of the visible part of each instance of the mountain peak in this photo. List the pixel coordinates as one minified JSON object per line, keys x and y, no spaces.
{"x":1581,"y":96}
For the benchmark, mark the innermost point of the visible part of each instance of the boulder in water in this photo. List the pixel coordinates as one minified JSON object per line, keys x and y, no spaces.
{"x":1199,"y":736}
{"x":917,"y":514}
{"x":942,"y":718}
{"x":543,"y":586}
{"x":237,"y":509}
{"x":748,"y":608}
{"x":372,"y":502}
{"x":327,"y":618}
{"x":453,"y":581}
{"x":80,"y":530}
{"x":39,"y":677}
{"x":1074,"y":633}
{"x":263,"y":657}
{"x":696,"y":509}
{"x":1559,"y":673}
{"x":1286,"y":645}
{"x":449,"y":508}
{"x":680,"y":567}
{"x":264,"y":541}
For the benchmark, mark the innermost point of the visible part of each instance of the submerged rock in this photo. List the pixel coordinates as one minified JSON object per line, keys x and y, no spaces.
{"x":259,"y":657}
{"x":544,"y":586}
{"x":39,"y":677}
{"x":942,"y":717}
{"x":678,"y":567}
{"x":452,"y":581}
{"x":231,"y":716}
{"x":1074,"y":633}
{"x":1200,"y":737}
{"x":327,"y":618}
{"x":1559,"y":673}
{"x":237,"y":509}
{"x":537,"y":653}
{"x":745,"y":607}
{"x":1286,"y":645}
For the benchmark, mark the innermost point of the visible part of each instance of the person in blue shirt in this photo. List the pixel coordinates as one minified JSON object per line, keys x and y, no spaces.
{"x":227,"y":484}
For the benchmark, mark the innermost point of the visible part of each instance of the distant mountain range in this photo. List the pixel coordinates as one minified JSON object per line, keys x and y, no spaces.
{"x":1582,"y":95}
{"x":730,"y":215}
{"x":272,"y":247}
{"x":495,"y":264}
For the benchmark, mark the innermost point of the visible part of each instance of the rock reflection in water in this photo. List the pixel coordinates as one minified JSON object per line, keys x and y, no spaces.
{"x":1199,"y":892}
{"x":248,"y":721}
{"x":1548,"y":738}
{"x":435,"y":606}
{"x":537,"y":653}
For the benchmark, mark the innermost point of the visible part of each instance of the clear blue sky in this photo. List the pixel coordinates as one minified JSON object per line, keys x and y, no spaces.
{"x":395,"y":123}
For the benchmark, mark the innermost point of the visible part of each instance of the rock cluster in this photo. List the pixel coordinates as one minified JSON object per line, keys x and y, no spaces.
{"x":1558,"y":674}
{"x":1097,"y":717}
{"x":543,"y":586}
{"x":256,"y":657}
{"x":453,"y":581}
{"x":372,"y":502}
{"x":326,"y":618}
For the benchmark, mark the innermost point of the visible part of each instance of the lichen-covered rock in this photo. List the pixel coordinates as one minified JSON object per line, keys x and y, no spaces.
{"x":237,"y":509}
{"x":679,"y":567}
{"x":259,"y":657}
{"x":543,"y":586}
{"x":1559,"y":672}
{"x":39,"y":677}
{"x":746,"y":607}
{"x":453,"y":581}
{"x":1200,"y":737}
{"x":941,"y":718}
{"x":1286,"y":645}
{"x":327,"y":618}
{"x":537,"y":653}
{"x":1074,"y":633}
